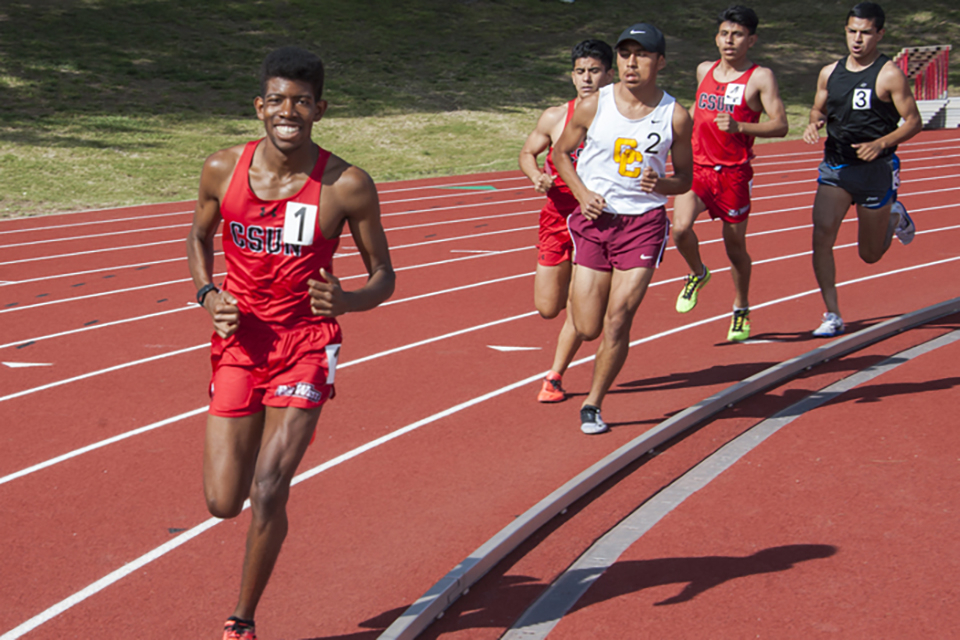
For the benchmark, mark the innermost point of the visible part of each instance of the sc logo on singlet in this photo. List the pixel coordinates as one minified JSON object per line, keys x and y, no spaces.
{"x":630,"y":158}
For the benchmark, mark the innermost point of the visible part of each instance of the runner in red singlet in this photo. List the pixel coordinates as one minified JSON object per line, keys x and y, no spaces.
{"x":283,"y":202}
{"x":592,"y":68}
{"x":732,"y":94}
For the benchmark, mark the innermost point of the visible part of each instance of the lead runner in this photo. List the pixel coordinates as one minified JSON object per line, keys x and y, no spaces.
{"x":283,"y":201}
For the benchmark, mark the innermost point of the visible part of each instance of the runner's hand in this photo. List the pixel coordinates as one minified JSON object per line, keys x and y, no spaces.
{"x":726,"y":123}
{"x":226,"y":314}
{"x":811,"y":135}
{"x":543,"y":183}
{"x":648,"y":179}
{"x":327,"y":298}
{"x":868,"y":151}
{"x":593,"y":206}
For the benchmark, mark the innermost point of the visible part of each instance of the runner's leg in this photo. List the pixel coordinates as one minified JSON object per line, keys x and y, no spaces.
{"x":686,"y":208}
{"x":229,"y":455}
{"x":550,"y":288}
{"x":287,"y":433}
{"x":829,"y":208}
{"x":875,"y":231}
{"x":627,"y":289}
{"x":735,"y":241}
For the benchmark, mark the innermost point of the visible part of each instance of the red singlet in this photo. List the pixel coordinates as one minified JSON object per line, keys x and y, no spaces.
{"x":267,"y":276}
{"x":710,"y":145}
{"x":560,"y":193}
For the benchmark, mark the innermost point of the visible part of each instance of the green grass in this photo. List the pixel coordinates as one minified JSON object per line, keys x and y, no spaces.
{"x":110,"y":102}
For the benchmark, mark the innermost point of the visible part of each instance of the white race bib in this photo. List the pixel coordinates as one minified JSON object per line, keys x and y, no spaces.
{"x":734,"y":94}
{"x":861,"y":99}
{"x":299,"y":223}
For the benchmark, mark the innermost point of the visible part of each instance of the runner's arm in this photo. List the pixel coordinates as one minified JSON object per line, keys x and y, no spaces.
{"x":356,"y":196}
{"x":818,"y":113}
{"x":537,"y":142}
{"x":891,"y":80}
{"x":776,"y":125}
{"x":591,"y":204}
{"x":681,"y":155}
{"x":206,"y":219}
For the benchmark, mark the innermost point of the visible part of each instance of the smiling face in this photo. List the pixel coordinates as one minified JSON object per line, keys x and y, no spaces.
{"x":636,"y":65}
{"x":589,"y":75}
{"x":288,"y":110}
{"x":862,"y":38}
{"x":734,"y":41}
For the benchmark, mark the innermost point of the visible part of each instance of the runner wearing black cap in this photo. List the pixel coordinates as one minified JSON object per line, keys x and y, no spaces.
{"x":621,"y":183}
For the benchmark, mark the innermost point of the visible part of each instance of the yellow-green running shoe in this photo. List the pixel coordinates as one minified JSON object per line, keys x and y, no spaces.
{"x":739,"y":326}
{"x":687,"y":299}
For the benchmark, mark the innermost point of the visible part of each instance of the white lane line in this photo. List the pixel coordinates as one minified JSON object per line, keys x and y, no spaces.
{"x":58,"y":227}
{"x":94,"y":327}
{"x":188,"y":535}
{"x":135,"y":265}
{"x":25,"y":365}
{"x":567,"y":589}
{"x":94,"y":236}
{"x":183,"y":416}
{"x":99,"y":445}
{"x":177,"y":352}
{"x":93,"y":251}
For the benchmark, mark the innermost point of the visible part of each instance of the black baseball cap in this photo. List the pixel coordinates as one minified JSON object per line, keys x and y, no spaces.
{"x":647,"y":36}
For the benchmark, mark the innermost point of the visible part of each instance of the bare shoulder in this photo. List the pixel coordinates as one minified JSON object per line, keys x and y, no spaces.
{"x":828,"y":69}
{"x":703,"y":68}
{"x":891,"y":73}
{"x":351,"y":185}
{"x":221,"y":163}
{"x":551,"y":116}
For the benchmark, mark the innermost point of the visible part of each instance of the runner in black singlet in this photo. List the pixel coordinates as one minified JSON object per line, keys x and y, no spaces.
{"x":860,"y":98}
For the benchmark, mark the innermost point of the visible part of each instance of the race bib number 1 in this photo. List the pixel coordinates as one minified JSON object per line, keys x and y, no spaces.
{"x":299,"y":223}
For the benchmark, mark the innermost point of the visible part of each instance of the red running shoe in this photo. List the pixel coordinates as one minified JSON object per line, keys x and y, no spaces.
{"x":236,"y":629}
{"x":551,"y":390}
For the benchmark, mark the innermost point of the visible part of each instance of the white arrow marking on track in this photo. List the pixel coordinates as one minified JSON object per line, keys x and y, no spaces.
{"x":20,"y":365}
{"x":496,"y":348}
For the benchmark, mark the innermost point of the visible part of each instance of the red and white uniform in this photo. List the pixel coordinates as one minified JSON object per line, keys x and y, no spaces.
{"x":281,"y":354}
{"x":722,"y":175}
{"x":555,"y":245}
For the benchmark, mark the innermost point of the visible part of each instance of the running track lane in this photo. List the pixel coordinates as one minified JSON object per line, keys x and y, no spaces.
{"x":377,"y":504}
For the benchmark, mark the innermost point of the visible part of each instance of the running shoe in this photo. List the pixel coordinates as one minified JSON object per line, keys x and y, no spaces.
{"x":905,"y":228}
{"x":831,"y":326}
{"x":236,"y":629}
{"x":552,"y":391}
{"x":687,"y":299}
{"x":590,"y":420}
{"x":739,"y":325}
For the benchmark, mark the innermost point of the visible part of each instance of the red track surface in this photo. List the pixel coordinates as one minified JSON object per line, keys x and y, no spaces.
{"x":870,"y":475}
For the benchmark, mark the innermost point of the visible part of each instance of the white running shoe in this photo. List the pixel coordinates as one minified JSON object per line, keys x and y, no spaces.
{"x":905,"y":228}
{"x":590,"y":421}
{"x":831,"y":326}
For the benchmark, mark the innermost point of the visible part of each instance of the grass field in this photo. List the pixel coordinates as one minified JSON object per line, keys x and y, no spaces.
{"x":113,"y":102}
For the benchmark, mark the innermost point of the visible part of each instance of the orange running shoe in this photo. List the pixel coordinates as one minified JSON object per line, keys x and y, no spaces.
{"x":236,"y":629}
{"x":551,"y":390}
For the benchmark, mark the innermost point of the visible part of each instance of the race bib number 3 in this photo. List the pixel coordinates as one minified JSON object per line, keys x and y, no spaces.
{"x":299,"y":223}
{"x":861,"y":99}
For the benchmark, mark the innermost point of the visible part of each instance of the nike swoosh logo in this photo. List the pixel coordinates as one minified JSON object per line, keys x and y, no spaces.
{"x":643,"y":257}
{"x":632,"y":31}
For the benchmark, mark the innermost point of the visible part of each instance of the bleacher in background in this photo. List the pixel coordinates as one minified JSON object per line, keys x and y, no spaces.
{"x":928,"y":68}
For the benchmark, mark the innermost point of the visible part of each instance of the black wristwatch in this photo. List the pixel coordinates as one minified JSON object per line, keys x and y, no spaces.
{"x":204,"y":290}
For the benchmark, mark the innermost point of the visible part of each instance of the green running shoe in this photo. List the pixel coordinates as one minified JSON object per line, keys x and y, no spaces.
{"x":687,"y":299}
{"x":739,"y":326}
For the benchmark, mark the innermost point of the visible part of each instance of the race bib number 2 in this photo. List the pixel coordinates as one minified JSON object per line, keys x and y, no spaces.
{"x":299,"y":223}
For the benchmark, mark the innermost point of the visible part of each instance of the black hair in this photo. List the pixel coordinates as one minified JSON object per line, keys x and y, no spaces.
{"x":293,"y":63}
{"x":738,"y":14}
{"x":593,"y":49}
{"x":868,"y":11}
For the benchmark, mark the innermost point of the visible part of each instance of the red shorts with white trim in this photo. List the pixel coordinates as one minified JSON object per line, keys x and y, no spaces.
{"x":270,"y":365}
{"x":724,"y":190}
{"x":619,"y":242}
{"x":554,"y":246}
